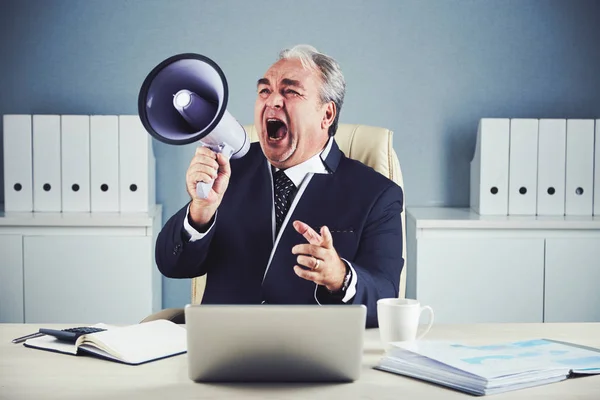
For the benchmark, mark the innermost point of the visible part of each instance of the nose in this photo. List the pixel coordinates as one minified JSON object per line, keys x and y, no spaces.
{"x":275,"y":100}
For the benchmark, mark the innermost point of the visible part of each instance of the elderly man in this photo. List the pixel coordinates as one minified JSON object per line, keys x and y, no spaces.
{"x":294,"y":221}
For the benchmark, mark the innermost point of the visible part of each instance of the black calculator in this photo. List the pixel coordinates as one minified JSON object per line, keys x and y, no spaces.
{"x":70,"y":334}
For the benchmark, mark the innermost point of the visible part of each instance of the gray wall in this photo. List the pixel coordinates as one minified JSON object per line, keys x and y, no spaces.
{"x":428,"y":70}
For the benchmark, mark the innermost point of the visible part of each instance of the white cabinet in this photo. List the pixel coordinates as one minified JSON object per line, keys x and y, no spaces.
{"x":572,"y":280}
{"x":79,"y":267}
{"x":476,"y":269}
{"x":473,"y":279}
{"x":11,"y":278}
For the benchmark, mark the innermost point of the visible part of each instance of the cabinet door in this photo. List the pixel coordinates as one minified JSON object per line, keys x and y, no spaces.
{"x":475,"y":279}
{"x":88,"y":279}
{"x":11,"y":278}
{"x":572,"y":280}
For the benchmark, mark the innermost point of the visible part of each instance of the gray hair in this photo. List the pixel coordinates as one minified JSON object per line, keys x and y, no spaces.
{"x":334,"y":85}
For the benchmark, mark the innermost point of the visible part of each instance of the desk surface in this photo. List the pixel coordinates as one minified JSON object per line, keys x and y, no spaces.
{"x":35,"y":374}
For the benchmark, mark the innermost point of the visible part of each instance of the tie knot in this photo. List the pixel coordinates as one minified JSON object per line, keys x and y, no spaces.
{"x":283,"y":184}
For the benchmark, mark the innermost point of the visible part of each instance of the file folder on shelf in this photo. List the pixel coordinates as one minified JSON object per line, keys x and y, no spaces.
{"x":104,"y":163}
{"x":580,"y":167}
{"x":46,"y":163}
{"x":552,"y":151}
{"x":75,"y":131}
{"x":522,"y":180}
{"x":489,"y":168}
{"x":18,"y":163}
{"x":136,"y":166}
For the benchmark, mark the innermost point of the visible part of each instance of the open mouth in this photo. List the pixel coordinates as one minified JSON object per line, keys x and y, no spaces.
{"x":276,"y":129}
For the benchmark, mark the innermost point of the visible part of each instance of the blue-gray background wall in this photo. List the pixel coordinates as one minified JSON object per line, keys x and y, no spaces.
{"x":428,"y":70}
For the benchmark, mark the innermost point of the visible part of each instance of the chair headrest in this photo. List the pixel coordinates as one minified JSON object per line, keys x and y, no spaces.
{"x":371,"y":145}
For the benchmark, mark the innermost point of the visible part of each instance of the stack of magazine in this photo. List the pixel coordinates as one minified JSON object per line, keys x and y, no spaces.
{"x":491,"y":369}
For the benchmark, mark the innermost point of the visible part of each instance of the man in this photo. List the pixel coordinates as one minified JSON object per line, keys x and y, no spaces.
{"x":294,"y":221}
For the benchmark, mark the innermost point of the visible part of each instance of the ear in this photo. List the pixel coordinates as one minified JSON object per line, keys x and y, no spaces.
{"x":329,"y":115}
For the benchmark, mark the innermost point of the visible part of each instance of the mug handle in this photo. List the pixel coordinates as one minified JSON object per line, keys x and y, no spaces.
{"x":430,"y":320}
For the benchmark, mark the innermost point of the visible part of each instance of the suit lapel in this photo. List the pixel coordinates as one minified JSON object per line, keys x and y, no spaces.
{"x":280,"y":280}
{"x":308,"y":206}
{"x":318,"y":193}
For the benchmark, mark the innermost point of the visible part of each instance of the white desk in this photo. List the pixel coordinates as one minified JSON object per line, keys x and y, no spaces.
{"x":35,"y":374}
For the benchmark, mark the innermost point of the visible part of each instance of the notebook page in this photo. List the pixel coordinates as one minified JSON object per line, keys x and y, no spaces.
{"x":139,"y":343}
{"x":51,"y":343}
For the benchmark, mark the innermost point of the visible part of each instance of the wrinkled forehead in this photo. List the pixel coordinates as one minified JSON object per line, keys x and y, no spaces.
{"x":292,"y":69}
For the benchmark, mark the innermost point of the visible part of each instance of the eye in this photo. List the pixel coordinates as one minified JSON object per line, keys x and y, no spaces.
{"x":264,"y":91}
{"x":292,"y":92}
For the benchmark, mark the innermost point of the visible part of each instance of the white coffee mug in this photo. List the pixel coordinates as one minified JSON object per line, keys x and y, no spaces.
{"x":399,"y":320}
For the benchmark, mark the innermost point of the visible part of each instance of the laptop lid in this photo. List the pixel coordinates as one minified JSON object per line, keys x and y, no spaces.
{"x":289,"y":343}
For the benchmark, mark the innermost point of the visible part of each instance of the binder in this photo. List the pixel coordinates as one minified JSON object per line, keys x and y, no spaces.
{"x":489,"y":168}
{"x":597,"y":170}
{"x":552,"y":148}
{"x":523,"y":159}
{"x":580,"y":167}
{"x":18,"y":163}
{"x":75,"y":132}
{"x":136,"y":166}
{"x":46,"y":163}
{"x":104,"y":163}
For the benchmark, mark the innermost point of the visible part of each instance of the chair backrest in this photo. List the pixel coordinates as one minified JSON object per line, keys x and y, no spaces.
{"x":370,"y":145}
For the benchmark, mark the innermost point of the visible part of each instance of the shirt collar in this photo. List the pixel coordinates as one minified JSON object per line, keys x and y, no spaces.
{"x":314,"y":165}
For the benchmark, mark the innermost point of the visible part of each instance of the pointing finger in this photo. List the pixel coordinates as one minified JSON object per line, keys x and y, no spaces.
{"x":309,"y":233}
{"x":327,"y":241}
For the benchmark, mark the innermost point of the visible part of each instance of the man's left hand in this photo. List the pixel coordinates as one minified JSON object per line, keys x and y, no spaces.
{"x":325,"y":267}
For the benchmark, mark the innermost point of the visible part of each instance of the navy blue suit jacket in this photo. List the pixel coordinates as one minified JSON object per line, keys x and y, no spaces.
{"x":361,"y":207}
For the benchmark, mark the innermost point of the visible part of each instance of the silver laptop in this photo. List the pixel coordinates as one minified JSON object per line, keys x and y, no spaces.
{"x":285,"y":343}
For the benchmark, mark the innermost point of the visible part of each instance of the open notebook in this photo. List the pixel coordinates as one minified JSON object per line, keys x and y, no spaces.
{"x":491,"y":369}
{"x":133,"y":344}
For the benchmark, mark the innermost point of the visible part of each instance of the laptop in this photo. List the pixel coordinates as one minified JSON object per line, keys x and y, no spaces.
{"x":275,"y":343}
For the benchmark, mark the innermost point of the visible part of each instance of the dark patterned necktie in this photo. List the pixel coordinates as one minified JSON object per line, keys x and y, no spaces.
{"x":284,"y":194}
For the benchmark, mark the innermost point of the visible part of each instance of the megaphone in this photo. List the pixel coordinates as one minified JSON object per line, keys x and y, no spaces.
{"x":184,"y":100}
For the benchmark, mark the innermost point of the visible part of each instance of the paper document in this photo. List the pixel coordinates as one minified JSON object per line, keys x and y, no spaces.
{"x":489,"y":369}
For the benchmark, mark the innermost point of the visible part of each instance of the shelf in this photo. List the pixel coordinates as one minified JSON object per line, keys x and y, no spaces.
{"x":465,"y":218}
{"x":72,"y":219}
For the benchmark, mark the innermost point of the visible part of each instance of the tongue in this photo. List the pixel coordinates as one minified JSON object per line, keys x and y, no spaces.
{"x":280,"y":132}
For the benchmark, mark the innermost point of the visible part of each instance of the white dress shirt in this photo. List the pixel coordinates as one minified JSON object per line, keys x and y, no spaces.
{"x":297,"y":174}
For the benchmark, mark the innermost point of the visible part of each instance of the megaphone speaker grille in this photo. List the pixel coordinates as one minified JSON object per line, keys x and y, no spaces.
{"x":192,"y":73}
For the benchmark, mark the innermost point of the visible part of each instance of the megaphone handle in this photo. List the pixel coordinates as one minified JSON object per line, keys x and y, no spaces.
{"x":204,"y":188}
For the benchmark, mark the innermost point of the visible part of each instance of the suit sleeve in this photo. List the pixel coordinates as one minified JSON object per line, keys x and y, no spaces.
{"x":378,"y":261}
{"x":176,"y":256}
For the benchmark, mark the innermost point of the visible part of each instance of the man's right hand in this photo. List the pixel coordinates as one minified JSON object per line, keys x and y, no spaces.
{"x":206,"y":166}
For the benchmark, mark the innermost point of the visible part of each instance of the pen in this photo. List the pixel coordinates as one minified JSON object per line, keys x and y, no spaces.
{"x":30,"y":336}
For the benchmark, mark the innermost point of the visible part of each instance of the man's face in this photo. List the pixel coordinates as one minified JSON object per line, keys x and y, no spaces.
{"x":290,"y":119}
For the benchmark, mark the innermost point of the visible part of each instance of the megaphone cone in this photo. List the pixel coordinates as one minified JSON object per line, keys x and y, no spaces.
{"x":184,"y":100}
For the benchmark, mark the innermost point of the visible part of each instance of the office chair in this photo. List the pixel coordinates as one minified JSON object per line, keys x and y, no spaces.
{"x":370,"y":145}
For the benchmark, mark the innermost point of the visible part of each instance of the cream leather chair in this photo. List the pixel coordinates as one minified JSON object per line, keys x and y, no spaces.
{"x":370,"y":145}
